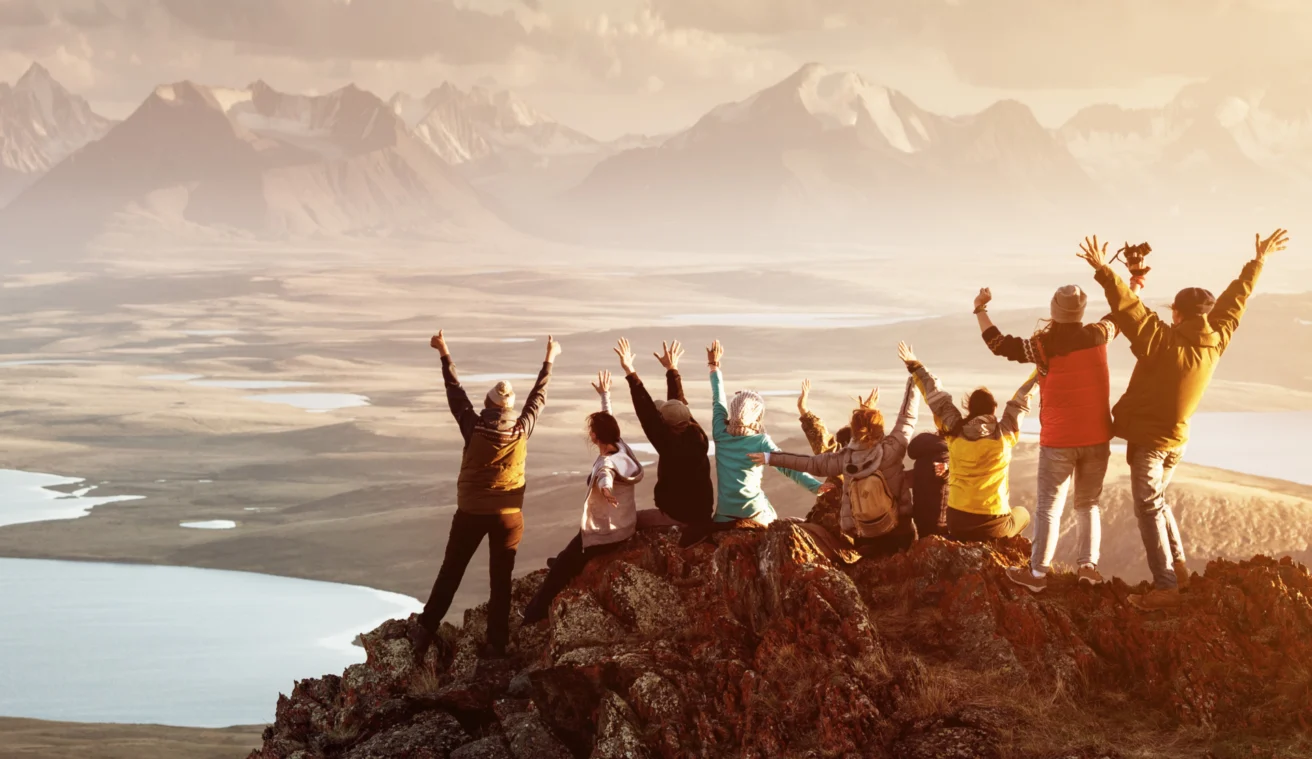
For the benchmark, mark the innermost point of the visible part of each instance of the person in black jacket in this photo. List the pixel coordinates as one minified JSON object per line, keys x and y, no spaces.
{"x":684,"y":492}
{"x":929,"y":483}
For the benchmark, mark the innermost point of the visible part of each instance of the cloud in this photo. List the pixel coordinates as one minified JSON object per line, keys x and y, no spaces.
{"x":22,"y":13}
{"x":363,"y":29}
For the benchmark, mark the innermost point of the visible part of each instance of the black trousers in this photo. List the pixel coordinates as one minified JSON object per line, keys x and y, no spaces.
{"x":503,"y":532}
{"x":569,"y":564}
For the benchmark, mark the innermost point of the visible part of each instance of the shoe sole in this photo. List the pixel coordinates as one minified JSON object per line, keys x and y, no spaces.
{"x":1087,"y":581}
{"x":1028,"y":587}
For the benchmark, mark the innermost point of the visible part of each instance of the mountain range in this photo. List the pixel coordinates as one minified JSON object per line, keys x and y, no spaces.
{"x":822,"y":156}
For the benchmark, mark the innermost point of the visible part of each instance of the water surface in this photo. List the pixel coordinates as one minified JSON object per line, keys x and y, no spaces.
{"x":317,"y":403}
{"x":25,"y":497}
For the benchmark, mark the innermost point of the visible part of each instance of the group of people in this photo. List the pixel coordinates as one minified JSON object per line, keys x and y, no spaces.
{"x":957,"y":486}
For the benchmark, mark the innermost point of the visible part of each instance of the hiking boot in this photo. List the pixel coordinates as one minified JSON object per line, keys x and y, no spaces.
{"x":420,"y":640}
{"x":1156,"y":600}
{"x":1089,"y":576}
{"x":1023,"y":577}
{"x":693,"y":534}
{"x":1181,"y":575}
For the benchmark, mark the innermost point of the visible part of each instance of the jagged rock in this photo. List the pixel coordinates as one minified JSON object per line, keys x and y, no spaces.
{"x":491,"y":747}
{"x":754,"y":644}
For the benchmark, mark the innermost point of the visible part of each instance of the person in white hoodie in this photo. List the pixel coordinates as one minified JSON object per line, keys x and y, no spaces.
{"x":610,"y":510}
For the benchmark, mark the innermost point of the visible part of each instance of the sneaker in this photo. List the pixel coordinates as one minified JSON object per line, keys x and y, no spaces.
{"x":1181,"y":575}
{"x":1089,"y":576}
{"x":1023,"y":577}
{"x":1155,"y":600}
{"x":420,"y":640}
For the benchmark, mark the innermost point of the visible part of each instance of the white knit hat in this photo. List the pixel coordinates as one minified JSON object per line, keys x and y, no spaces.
{"x":502,"y":395}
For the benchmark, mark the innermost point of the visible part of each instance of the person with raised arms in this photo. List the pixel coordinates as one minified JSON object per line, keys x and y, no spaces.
{"x":1174,"y":365}
{"x":738,"y":426}
{"x":489,"y":497}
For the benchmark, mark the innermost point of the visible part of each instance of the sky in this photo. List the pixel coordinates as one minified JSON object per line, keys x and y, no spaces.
{"x":610,"y":67}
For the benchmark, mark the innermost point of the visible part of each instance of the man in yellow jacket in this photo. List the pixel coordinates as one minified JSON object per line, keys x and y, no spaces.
{"x":1175,"y":364}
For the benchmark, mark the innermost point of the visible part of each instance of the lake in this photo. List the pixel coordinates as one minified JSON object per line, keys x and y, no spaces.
{"x":93,"y":642}
{"x":25,"y":497}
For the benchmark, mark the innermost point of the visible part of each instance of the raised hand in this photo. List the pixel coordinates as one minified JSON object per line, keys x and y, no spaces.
{"x":869,"y":401}
{"x":553,"y":349}
{"x":602,"y":385}
{"x":757,"y":459}
{"x":805,"y":394}
{"x":669,"y":355}
{"x":982,"y":300}
{"x":1089,"y":251}
{"x":439,"y":343}
{"x":1273,"y":244}
{"x":625,"y":353}
{"x":714,"y":354}
{"x":905,"y":353}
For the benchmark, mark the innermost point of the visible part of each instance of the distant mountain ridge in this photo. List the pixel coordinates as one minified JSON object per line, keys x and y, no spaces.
{"x":41,"y":123}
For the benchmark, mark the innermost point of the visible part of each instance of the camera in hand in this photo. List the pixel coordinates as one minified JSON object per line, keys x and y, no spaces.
{"x":1134,"y":257}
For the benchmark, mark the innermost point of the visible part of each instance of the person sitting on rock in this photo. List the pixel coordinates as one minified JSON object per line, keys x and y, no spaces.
{"x":738,"y":427}
{"x":1076,"y":415}
{"x":979,"y":454}
{"x":489,"y":497}
{"x":829,"y":501}
{"x":876,"y":520}
{"x":929,"y":483}
{"x":684,"y":493}
{"x":610,"y":509}
{"x":1174,"y":365}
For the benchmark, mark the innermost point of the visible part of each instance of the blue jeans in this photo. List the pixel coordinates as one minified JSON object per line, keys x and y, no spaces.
{"x":1150,"y":473}
{"x":1087,"y":466}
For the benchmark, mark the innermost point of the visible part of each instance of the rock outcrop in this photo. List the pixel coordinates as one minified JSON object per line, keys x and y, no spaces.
{"x":753,"y":644}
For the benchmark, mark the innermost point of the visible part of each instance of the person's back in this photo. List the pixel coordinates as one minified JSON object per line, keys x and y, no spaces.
{"x":929,"y":451}
{"x":492,"y":477}
{"x":980,"y":457}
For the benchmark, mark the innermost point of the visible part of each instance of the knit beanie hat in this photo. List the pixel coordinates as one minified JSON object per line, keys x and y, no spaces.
{"x":746,"y":413}
{"x":674,"y":413}
{"x":1068,"y":305}
{"x":1194,"y":301}
{"x":502,"y":396}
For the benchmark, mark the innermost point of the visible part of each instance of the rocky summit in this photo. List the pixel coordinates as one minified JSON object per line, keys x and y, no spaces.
{"x":754,"y":644}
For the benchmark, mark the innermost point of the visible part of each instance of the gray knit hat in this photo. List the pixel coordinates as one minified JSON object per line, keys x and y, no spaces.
{"x":674,"y":413}
{"x":1068,"y":305}
{"x":502,"y":395}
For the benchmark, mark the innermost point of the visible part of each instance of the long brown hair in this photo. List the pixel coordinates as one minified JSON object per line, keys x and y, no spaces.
{"x":867,"y":425}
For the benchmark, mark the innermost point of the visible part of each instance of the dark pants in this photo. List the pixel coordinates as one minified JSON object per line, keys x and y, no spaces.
{"x":503,"y":532}
{"x":569,"y":564}
{"x":964,"y":526}
{"x":900,"y":539}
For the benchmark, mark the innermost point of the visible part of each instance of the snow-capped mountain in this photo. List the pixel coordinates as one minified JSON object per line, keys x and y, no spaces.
{"x":470,"y":127}
{"x":40,"y":124}
{"x":827,"y":154}
{"x":1236,"y":142}
{"x":253,"y":162}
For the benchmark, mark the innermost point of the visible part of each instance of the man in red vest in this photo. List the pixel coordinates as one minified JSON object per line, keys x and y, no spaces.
{"x":1076,"y":418}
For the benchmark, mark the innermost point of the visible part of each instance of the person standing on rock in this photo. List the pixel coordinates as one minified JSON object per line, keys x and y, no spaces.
{"x":610,"y":510}
{"x":870,"y":455}
{"x":738,"y":426}
{"x":489,"y":497}
{"x":1174,"y":365}
{"x":1076,"y":416}
{"x":979,"y":454}
{"x":684,"y":493}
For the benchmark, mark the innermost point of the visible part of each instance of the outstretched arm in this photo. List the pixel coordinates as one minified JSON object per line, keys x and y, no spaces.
{"x":801,"y":478}
{"x":537,"y":398}
{"x":1017,"y":408}
{"x":719,"y":406}
{"x":1229,"y":308}
{"x":456,"y":397}
{"x":939,"y":401}
{"x":822,"y":465}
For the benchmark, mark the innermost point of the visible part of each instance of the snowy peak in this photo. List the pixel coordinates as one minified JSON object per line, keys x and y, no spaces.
{"x":41,"y":123}
{"x":465,"y":127}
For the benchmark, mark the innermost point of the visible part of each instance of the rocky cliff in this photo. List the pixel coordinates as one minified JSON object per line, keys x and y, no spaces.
{"x":754,"y":644}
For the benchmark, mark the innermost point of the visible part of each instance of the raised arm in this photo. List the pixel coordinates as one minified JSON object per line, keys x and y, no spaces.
{"x":643,"y":405}
{"x":669,"y":358}
{"x":906,"y":415}
{"x":1229,"y":308}
{"x":537,"y":398}
{"x":1143,"y":328}
{"x":456,"y":397}
{"x":816,"y":435}
{"x":1017,"y":408}
{"x":602,"y":386}
{"x":940,"y":402}
{"x":719,"y":406}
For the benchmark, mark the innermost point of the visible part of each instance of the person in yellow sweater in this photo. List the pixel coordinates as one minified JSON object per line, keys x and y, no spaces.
{"x":979,"y":454}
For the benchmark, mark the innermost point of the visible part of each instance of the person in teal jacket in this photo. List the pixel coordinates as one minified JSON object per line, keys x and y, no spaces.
{"x":738,"y":429}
